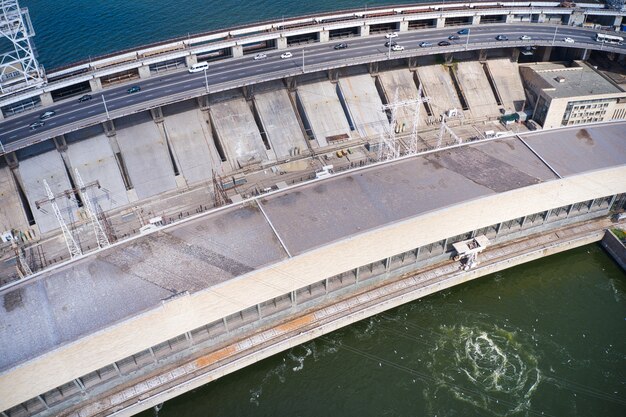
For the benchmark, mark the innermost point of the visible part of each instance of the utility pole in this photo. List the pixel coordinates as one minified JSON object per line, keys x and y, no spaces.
{"x":105,"y":107}
{"x":389,"y":53}
{"x":554,"y":37}
{"x":467,"y":40}
{"x":206,"y":82}
{"x":303,"y":60}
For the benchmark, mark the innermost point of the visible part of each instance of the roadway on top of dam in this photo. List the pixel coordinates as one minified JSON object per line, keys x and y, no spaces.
{"x":235,"y":72}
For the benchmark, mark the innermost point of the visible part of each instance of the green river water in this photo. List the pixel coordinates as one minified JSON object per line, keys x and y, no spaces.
{"x":542,"y":339}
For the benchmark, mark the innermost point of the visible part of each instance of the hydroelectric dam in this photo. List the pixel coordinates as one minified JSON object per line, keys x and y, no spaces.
{"x":176,"y":212}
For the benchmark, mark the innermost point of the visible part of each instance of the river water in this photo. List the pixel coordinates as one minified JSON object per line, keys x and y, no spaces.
{"x":542,"y":339}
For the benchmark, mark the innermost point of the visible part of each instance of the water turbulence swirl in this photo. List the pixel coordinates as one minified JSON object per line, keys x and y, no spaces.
{"x":494,"y":370}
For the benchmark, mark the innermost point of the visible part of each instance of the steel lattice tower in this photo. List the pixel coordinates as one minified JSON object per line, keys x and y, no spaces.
{"x":18,"y":66}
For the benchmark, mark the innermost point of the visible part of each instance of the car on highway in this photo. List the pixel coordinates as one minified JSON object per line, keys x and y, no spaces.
{"x":444,"y":43}
{"x":286,"y":55}
{"x":260,"y":56}
{"x":425,"y":44}
{"x":463,"y":31}
{"x":199,"y":67}
{"x":36,"y":125}
{"x":391,"y":35}
{"x":397,"y":48}
{"x":133,"y":89}
{"x":454,"y":37}
{"x":341,"y":45}
{"x":502,"y":38}
{"x":47,"y":115}
{"x":390,"y":43}
{"x":84,"y":98}
{"x":568,"y":40}
{"x":525,"y":38}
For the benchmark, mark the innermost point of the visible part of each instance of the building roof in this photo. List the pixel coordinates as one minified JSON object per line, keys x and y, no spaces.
{"x":120,"y":282}
{"x":580,"y":79}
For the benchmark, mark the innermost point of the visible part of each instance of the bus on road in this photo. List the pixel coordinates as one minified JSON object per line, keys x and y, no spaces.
{"x":612,"y":39}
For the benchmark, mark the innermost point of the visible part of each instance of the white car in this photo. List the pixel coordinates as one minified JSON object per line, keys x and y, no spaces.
{"x":286,"y":55}
{"x":525,"y":37}
{"x":397,"y":48}
{"x":391,"y":35}
{"x":568,"y":40}
{"x":260,"y":56}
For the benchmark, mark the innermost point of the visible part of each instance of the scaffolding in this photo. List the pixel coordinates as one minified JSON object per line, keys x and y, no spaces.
{"x":19,"y":68}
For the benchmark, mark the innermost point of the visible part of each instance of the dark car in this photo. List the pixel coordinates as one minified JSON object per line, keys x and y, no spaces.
{"x":392,"y":43}
{"x":444,"y":43}
{"x":463,"y":32}
{"x":454,"y":37}
{"x":36,"y":125}
{"x":341,"y":45}
{"x":133,"y":89}
{"x":502,"y":38}
{"x":86,"y":97}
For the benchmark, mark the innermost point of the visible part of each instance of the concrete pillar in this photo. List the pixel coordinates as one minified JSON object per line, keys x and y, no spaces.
{"x":109,"y":128}
{"x":1,"y":115}
{"x":514,"y":54}
{"x":356,"y":274}
{"x":412,"y":62}
{"x":291,"y":84}
{"x":584,"y":54}
{"x":324,"y":36}
{"x":364,"y":30}
{"x":509,"y":18}
{"x":11,"y":160}
{"x":373,"y":68}
{"x":248,"y":91}
{"x":190,"y":60}
{"x":95,"y":84}
{"x":404,"y":26}
{"x":157,"y":114}
{"x":618,"y":20}
{"x":482,"y":55}
{"x":46,"y":99}
{"x":203,"y":102}
{"x":476,"y":20}
{"x":237,"y":51}
{"x":577,"y":18}
{"x":333,"y":75}
{"x":60,"y":143}
{"x":547,"y":51}
{"x":541,"y":18}
{"x":281,"y":43}
{"x":441,"y":22}
{"x":144,"y":71}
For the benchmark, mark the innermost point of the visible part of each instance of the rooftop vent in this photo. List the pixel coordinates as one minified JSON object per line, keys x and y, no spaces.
{"x":560,"y":79}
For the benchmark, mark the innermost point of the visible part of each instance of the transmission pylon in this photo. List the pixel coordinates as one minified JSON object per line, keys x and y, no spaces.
{"x":72,"y":246}
{"x":442,"y":129}
{"x":19,"y":68}
{"x":101,"y":237}
{"x":414,"y":141}
{"x":388,"y":147}
{"x":221,"y":197}
{"x":23,"y":269}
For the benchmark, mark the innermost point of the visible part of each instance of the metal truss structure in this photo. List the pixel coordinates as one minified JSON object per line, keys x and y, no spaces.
{"x":19,"y":68}
{"x":99,"y":232}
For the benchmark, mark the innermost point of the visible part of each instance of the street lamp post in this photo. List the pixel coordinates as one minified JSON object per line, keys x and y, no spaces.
{"x":106,"y":110}
{"x":303,"y":60}
{"x":554,"y":37}
{"x":389,"y":53}
{"x":206,"y":82}
{"x":467,"y":40}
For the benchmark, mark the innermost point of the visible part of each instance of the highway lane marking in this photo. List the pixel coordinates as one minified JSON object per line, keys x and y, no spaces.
{"x":91,"y":112}
{"x":11,"y":137}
